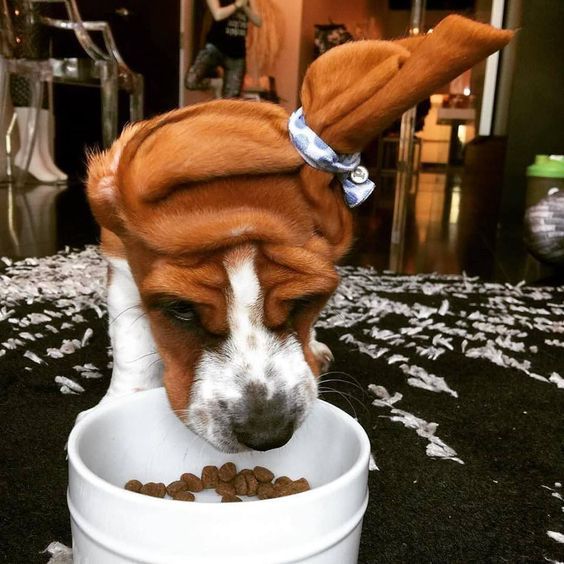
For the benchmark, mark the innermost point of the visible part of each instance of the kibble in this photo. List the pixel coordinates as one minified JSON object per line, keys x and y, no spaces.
{"x":301,"y":485}
{"x":240,"y":484}
{"x":230,"y":498}
{"x":175,"y":487}
{"x":133,"y":485}
{"x":225,"y":488}
{"x":227,"y":472}
{"x":295,"y":487}
{"x":153,"y":489}
{"x":252,"y":483}
{"x":192,"y":481}
{"x":227,"y":482}
{"x":210,"y":477}
{"x":184,"y":496}
{"x":266,"y":491}
{"x":263,"y":474}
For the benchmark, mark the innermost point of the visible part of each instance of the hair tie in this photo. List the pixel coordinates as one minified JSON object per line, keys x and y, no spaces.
{"x":316,"y":153}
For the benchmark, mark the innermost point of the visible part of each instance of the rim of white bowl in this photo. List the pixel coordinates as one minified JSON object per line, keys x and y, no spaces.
{"x":75,"y":459}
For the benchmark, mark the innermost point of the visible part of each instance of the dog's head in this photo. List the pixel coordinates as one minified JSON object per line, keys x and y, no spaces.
{"x":232,"y":239}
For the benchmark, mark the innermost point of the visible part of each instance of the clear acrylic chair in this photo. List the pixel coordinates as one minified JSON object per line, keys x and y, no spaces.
{"x":102,"y":67}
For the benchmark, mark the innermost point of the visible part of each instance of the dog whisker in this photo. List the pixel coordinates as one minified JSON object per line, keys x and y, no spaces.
{"x":347,"y":398}
{"x":344,"y":397}
{"x":154,"y":362}
{"x":353,"y":384}
{"x":122,"y":312}
{"x":143,"y":356}
{"x":343,"y":374}
{"x":137,"y":319}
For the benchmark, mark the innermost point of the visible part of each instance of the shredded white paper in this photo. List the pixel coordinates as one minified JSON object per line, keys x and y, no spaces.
{"x":555,"y":378}
{"x":68,"y":386}
{"x":69,"y":284}
{"x":555,"y":493}
{"x":60,"y":553}
{"x":436,"y":448}
{"x":486,"y":321}
{"x":372,"y":463}
{"x":554,"y":535}
{"x":33,"y":357}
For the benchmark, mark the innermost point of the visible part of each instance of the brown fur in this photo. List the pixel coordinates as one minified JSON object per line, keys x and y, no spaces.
{"x":175,"y":194}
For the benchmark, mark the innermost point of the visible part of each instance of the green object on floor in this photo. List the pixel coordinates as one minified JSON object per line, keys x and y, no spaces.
{"x":544,"y":178}
{"x":547,"y":166}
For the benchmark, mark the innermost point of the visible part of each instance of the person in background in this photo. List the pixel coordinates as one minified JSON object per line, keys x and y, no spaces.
{"x":225,"y":46}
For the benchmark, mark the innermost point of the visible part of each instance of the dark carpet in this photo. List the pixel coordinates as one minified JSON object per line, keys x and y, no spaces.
{"x":459,"y":384}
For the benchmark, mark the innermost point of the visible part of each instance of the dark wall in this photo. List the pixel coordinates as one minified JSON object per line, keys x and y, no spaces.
{"x":147,"y":34}
{"x":536,"y":109}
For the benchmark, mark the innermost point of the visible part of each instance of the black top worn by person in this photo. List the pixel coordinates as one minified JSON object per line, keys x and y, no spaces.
{"x":229,"y":35}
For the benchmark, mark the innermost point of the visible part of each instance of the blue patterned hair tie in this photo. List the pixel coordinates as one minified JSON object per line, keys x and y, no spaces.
{"x":316,"y":153}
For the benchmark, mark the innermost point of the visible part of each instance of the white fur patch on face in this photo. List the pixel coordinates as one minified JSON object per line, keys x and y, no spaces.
{"x":136,"y":361}
{"x":253,"y":357}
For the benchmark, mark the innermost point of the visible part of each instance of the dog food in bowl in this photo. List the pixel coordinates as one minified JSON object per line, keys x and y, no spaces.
{"x":227,"y":482}
{"x":140,"y":437}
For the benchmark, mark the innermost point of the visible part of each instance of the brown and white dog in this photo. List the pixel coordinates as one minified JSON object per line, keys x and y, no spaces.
{"x":222,"y":242}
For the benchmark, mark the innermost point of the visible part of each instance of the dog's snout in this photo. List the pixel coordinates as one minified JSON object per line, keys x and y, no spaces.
{"x":263,"y":423}
{"x":260,"y":438}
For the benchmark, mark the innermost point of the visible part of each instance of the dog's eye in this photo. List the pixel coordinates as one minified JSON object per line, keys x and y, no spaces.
{"x":299,"y":304}
{"x":181,"y":310}
{"x":304,"y":301}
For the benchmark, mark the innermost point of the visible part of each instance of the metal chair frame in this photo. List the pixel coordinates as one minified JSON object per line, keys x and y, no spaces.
{"x":103,"y":68}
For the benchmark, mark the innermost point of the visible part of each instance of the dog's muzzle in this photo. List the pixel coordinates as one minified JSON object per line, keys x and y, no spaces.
{"x":262,"y":423}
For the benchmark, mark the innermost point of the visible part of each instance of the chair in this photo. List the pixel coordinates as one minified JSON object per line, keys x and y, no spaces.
{"x":103,"y":67}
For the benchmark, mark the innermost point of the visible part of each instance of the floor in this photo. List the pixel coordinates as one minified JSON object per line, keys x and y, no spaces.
{"x":42,"y":219}
{"x":442,"y":233}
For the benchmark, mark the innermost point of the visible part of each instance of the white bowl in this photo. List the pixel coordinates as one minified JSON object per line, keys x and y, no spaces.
{"x":139,"y":437}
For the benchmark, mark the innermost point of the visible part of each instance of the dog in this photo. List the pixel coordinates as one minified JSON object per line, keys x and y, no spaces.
{"x":222,"y":238}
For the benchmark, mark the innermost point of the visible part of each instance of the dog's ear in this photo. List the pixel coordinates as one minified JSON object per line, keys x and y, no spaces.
{"x":102,"y":186}
{"x":356,"y":90}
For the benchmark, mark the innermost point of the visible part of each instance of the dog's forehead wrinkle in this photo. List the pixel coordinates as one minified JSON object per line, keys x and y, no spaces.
{"x":241,"y":230}
{"x":245,"y":294}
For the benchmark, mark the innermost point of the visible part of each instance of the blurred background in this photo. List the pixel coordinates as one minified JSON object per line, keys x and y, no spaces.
{"x":469,"y":181}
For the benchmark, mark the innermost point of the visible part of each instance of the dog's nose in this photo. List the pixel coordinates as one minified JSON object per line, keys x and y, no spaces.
{"x":261,"y":423}
{"x":261,"y":439}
